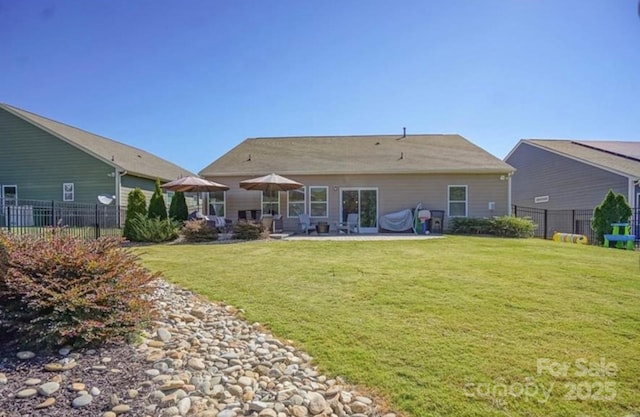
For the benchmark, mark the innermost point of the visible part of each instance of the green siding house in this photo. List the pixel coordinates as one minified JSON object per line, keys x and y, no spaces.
{"x":42,"y":159}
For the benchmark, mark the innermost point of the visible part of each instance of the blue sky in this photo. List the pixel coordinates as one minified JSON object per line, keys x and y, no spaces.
{"x":189,"y":80}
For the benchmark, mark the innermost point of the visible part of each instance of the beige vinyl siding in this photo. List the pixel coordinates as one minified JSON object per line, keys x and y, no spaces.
{"x":39,"y":163}
{"x":570,"y":184}
{"x":395,"y":192}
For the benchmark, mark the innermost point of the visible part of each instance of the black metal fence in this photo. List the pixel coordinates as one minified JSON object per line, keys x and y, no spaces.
{"x":569,"y":221}
{"x":40,"y":217}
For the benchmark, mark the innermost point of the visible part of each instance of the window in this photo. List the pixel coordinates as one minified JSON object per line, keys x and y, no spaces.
{"x":295,"y":202}
{"x":217,"y":203}
{"x":457,"y":201}
{"x":9,"y":195}
{"x":319,"y":201}
{"x":67,"y":191}
{"x":270,"y":202}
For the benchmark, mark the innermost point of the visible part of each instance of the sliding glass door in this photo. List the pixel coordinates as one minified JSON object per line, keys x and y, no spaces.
{"x":364,"y":202}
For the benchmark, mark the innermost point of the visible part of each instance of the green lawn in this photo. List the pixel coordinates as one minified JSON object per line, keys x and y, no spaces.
{"x":453,"y":326}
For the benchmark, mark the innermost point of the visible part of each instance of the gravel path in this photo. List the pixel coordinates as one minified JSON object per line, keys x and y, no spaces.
{"x":199,"y":360}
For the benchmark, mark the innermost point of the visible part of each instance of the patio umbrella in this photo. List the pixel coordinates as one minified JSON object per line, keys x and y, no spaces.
{"x":270,"y":183}
{"x":194,"y":184}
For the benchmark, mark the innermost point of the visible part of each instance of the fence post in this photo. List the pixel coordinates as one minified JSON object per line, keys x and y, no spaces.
{"x":53,"y":213}
{"x":545,"y":223}
{"x":8,"y":218}
{"x":97,"y":223}
{"x":515,"y":211}
{"x":573,"y":221}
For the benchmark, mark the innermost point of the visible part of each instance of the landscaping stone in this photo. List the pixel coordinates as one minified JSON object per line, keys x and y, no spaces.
{"x":48,"y":388}
{"x":82,"y":401}
{"x":199,"y":359}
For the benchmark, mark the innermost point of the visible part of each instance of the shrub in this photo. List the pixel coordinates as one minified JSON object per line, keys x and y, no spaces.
{"x":469,"y":225}
{"x":199,"y":231}
{"x":62,"y":290}
{"x":157,"y":206}
{"x":136,"y":204}
{"x":248,"y":231}
{"x":178,"y":208}
{"x":145,"y":229}
{"x":510,"y":226}
{"x":505,"y":226}
{"x":613,"y":209}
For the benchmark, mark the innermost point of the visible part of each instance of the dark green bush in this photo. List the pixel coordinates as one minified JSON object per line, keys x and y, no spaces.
{"x":199,"y":231}
{"x":178,"y":208}
{"x":61,"y":290}
{"x":613,"y":209}
{"x":248,"y":231}
{"x":145,"y":229}
{"x":469,"y":225}
{"x":504,"y":226}
{"x":157,"y":206}
{"x":510,"y":226}
{"x":4,"y":258}
{"x":136,"y":204}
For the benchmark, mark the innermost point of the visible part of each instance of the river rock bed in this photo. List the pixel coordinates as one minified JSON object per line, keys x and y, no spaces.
{"x":200,"y":360}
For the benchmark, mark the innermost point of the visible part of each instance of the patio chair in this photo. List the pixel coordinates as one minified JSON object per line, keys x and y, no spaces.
{"x":305,"y":224}
{"x":278,"y":224}
{"x":352,"y":225}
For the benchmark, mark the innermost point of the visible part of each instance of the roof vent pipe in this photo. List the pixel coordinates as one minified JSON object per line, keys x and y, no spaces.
{"x":404,"y":132}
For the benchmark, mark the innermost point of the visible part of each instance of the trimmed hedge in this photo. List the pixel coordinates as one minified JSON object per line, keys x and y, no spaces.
{"x":61,"y":290}
{"x":504,"y":226}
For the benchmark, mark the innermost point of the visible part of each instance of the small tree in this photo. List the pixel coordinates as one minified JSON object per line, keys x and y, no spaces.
{"x":157,"y":206}
{"x":613,"y":209}
{"x":136,"y":204}
{"x":178,"y":209}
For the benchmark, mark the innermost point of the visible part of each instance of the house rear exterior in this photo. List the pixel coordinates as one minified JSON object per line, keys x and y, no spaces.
{"x":368,"y":175}
{"x":45,"y":160}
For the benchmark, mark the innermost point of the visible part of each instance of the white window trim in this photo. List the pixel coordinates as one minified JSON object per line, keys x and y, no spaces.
{"x":326,"y":187}
{"x":466,"y":200}
{"x":2,"y":197}
{"x":262,"y":202}
{"x":64,"y":192}
{"x":304,"y":205}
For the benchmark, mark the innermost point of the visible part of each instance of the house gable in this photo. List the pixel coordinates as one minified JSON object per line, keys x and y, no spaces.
{"x":39,"y":163}
{"x":559,"y":180}
{"x":124,"y":157}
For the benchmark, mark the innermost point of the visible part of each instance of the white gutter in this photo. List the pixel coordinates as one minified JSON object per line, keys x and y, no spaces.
{"x":118,"y":176}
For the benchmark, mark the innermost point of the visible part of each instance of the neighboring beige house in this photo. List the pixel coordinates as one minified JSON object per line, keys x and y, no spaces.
{"x":369,"y":175}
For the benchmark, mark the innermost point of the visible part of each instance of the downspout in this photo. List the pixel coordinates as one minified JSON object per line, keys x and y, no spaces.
{"x":509,"y":194}
{"x":631,"y":199}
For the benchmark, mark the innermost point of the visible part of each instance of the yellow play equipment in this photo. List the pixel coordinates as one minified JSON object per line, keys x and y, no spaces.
{"x":570,"y":237}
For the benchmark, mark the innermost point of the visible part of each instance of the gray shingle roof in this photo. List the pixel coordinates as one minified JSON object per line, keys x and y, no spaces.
{"x":376,"y":154}
{"x":127,"y":158}
{"x":616,"y":156}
